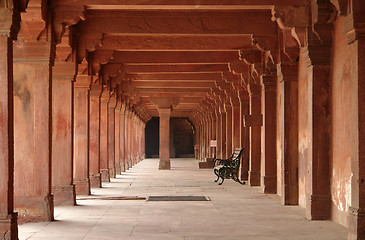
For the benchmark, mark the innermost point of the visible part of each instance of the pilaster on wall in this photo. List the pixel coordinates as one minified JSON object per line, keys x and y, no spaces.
{"x":8,"y":218}
{"x":94,"y":136}
{"x":33,"y":58}
{"x":81,"y":135}
{"x":355,"y":23}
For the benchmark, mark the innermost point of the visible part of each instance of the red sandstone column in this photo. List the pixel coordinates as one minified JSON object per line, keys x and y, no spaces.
{"x":244,"y":141}
{"x":8,"y":218}
{"x":164,"y":138}
{"x":268,"y":133}
{"x":219,"y":135}
{"x":122,"y":138}
{"x":289,"y":87}
{"x":356,"y":38}
{"x":94,"y":136}
{"x":129,"y":138}
{"x":254,"y":121}
{"x":229,"y":123}
{"x":117,"y":137}
{"x":32,"y":126}
{"x":126,"y":140}
{"x":104,"y":165}
{"x":81,"y":135}
{"x":111,"y":136}
{"x":223,"y":132}
{"x":236,"y":126}
{"x":63,"y":188}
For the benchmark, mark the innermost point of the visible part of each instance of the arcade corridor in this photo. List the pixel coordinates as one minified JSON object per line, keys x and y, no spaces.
{"x":284,"y":80}
{"x":235,"y":211}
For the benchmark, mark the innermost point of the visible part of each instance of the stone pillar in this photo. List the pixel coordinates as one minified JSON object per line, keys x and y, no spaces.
{"x":223,"y":132}
{"x":129,"y":138}
{"x":81,"y":135}
{"x":236,"y":126}
{"x":356,"y":39}
{"x":268,"y":134}
{"x":254,"y":121}
{"x":104,"y":165}
{"x":244,"y":141}
{"x":63,"y":188}
{"x":32,"y":127}
{"x":111,"y":136}
{"x":122,"y":138}
{"x":219,"y":135}
{"x":229,"y":131}
{"x":164,"y":138}
{"x":288,"y":85}
{"x":117,"y":137}
{"x":94,"y":136}
{"x":126,"y":139}
{"x":8,"y":218}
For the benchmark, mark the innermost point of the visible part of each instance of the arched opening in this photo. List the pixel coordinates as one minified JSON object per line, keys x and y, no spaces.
{"x":181,"y":138}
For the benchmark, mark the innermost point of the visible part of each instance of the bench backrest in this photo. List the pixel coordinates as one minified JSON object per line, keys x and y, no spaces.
{"x":236,"y":157}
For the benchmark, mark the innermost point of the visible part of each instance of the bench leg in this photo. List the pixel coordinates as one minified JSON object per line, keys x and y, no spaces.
{"x":216,"y":173}
{"x":221,"y":182}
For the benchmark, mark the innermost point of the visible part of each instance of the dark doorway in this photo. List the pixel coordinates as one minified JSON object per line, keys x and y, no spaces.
{"x":152,"y":138}
{"x":181,"y":138}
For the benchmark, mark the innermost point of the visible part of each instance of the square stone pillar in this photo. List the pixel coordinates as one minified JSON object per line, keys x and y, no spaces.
{"x":126,"y":140}
{"x":111,"y":136}
{"x":117,"y":138}
{"x":318,"y":187}
{"x":288,"y":90}
{"x":268,"y":134}
{"x":236,"y":127}
{"x":8,"y":218}
{"x":164,"y":138}
{"x":254,"y":121}
{"x":244,"y":141}
{"x":219,"y":135}
{"x":63,"y":188}
{"x":122,"y":138}
{"x":223,"y":132}
{"x":81,"y":135}
{"x":104,"y":154}
{"x":32,"y":129}
{"x":94,"y":136}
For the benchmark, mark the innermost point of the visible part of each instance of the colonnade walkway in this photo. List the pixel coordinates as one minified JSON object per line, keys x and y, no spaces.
{"x":119,"y":211}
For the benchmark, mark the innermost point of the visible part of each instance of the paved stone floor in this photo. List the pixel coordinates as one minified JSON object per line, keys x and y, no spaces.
{"x":234,"y":212}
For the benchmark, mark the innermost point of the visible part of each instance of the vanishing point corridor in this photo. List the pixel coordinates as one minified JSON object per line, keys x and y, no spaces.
{"x":234,"y":211}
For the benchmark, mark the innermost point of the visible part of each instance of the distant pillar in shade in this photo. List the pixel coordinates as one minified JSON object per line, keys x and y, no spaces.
{"x":164,"y":138}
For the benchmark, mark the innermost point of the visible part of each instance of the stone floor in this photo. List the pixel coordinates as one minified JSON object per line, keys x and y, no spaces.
{"x":234,"y":212}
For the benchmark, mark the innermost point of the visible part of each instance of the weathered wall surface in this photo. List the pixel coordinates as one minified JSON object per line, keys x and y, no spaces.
{"x":23,"y":130}
{"x":304,"y":125}
{"x":344,"y":95}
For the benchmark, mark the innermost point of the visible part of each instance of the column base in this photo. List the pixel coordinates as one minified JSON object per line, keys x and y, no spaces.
{"x":9,"y":227}
{"x":164,"y":165}
{"x":82,"y":186}
{"x":254,"y":178}
{"x":64,"y":195}
{"x":34,"y":209}
{"x":356,"y":228}
{"x":112,"y":172}
{"x":117,"y":169}
{"x":122,"y":167}
{"x":269,"y":184}
{"x":95,"y":180}
{"x":318,"y":207}
{"x":105,"y":177}
{"x":289,"y":194}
